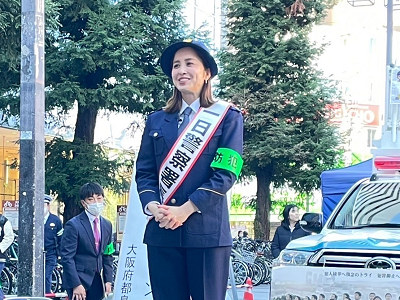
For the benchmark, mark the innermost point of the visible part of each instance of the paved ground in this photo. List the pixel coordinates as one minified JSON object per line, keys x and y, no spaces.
{"x":260,"y":292}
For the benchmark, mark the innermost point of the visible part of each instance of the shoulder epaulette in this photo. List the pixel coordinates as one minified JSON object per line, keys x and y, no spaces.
{"x":153,"y":112}
{"x":235,"y":108}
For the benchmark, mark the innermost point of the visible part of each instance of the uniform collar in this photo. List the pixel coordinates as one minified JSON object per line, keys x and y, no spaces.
{"x":46,"y":216}
{"x":195,"y":106}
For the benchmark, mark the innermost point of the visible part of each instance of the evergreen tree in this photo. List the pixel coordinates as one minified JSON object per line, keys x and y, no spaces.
{"x":10,"y":48}
{"x":268,"y":71}
{"x":102,"y":55}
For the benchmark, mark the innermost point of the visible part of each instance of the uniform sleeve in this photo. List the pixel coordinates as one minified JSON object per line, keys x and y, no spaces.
{"x":221,"y":180}
{"x":60,"y":231}
{"x":146,"y":170}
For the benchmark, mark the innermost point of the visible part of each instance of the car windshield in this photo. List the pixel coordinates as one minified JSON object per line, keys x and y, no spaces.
{"x":372,"y":204}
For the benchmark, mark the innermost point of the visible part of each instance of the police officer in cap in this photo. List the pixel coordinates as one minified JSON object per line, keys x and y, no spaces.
{"x":53,"y":231}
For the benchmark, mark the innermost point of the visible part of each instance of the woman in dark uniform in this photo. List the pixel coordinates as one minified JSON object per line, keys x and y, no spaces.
{"x":190,"y":156}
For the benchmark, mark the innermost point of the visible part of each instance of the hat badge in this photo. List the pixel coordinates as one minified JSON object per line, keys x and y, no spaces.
{"x":188,"y":40}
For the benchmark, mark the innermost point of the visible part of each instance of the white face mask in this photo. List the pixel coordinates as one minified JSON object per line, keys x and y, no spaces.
{"x":95,"y":209}
{"x":45,"y":210}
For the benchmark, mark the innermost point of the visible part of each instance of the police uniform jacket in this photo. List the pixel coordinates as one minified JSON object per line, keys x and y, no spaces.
{"x":52,"y":234}
{"x":79,"y":257}
{"x":204,"y":186}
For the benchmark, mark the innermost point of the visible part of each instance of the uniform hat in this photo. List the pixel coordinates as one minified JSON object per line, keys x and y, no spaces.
{"x":167,"y":56}
{"x":47,"y":198}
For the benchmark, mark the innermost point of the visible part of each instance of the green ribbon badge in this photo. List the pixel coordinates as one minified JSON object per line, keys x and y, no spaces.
{"x":228,"y":159}
{"x":109,"y":249}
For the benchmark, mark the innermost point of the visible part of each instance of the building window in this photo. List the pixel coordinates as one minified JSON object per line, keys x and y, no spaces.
{"x":371,"y":137}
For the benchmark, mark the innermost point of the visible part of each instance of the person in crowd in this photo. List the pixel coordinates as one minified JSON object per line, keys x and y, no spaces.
{"x":371,"y":296}
{"x":53,"y":231}
{"x":245,"y":235}
{"x":190,"y":156}
{"x":6,"y":239}
{"x":288,"y":230}
{"x":239,"y":235}
{"x":87,"y":248}
{"x":357,"y":296}
{"x":333,"y":297}
{"x":346,"y":296}
{"x":388,"y":296}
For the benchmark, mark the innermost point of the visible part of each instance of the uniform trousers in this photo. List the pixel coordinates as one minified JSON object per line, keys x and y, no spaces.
{"x":188,"y":273}
{"x":51,"y":261}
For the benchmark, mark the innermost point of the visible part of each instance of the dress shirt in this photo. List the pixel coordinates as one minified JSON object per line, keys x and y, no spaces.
{"x":91,"y":220}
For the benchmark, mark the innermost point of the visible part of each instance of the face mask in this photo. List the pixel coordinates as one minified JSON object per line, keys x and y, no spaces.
{"x":95,"y":209}
{"x":45,"y":211}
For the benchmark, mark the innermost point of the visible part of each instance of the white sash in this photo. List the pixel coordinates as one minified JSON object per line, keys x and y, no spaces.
{"x":188,"y":148}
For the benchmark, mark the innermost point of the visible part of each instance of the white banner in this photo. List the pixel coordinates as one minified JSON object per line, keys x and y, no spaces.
{"x":334,"y":283}
{"x":132,"y":279}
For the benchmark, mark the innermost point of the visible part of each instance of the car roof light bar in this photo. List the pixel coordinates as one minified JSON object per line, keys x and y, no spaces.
{"x":387,"y":163}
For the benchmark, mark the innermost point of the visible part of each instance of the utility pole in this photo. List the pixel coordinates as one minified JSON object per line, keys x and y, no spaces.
{"x":389,"y":144}
{"x":31,"y":177}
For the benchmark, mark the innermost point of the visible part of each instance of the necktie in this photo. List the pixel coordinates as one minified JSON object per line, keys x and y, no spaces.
{"x":185,"y":121}
{"x":96,"y":234}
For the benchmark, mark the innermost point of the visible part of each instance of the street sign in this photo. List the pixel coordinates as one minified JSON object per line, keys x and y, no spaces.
{"x":121,"y":219}
{"x":10,"y":211}
{"x":394,"y":77}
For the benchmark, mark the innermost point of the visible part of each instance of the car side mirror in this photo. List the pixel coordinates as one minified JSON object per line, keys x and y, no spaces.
{"x":311,"y":222}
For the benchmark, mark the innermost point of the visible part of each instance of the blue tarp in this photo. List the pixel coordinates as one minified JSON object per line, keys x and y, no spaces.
{"x":335,"y":183}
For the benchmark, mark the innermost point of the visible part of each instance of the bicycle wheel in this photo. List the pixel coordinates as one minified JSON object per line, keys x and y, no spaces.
{"x":240,"y":271}
{"x":250,"y":271}
{"x":56,"y":281}
{"x":268,"y":264}
{"x":115,"y":268}
{"x":6,"y":281}
{"x":258,"y":273}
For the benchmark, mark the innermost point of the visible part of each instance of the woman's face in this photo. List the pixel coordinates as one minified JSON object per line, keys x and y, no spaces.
{"x":188,"y":73}
{"x":294,"y":214}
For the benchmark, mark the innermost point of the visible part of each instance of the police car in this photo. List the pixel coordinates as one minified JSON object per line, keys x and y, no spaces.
{"x":363,"y":231}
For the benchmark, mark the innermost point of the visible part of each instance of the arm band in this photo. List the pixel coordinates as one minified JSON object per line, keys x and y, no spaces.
{"x":228,"y":159}
{"x":109,"y":249}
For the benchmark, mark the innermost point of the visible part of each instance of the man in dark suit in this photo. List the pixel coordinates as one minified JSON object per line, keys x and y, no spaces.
{"x":86,"y":248}
{"x":53,"y":231}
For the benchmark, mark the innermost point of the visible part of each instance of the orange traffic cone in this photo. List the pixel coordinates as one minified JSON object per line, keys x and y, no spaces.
{"x":248,"y":294}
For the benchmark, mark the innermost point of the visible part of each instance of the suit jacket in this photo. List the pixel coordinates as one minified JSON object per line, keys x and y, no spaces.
{"x":205,"y":187}
{"x":78,"y":253}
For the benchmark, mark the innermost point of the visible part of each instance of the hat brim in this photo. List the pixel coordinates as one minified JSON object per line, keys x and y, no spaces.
{"x":167,"y":57}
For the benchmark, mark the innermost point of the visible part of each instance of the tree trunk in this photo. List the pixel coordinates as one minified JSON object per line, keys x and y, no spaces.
{"x":84,"y":130}
{"x":85,"y":124}
{"x":263,"y":208}
{"x":71,"y":209}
